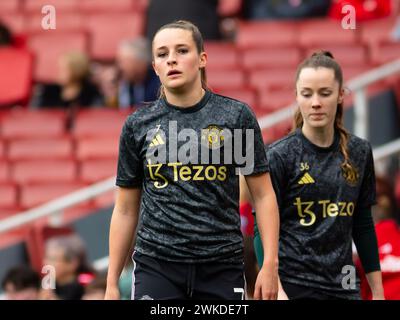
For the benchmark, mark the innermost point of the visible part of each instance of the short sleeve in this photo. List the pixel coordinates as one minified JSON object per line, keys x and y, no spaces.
{"x":130,"y":167}
{"x":256,"y":161}
{"x":367,"y":196}
{"x":277,"y":173}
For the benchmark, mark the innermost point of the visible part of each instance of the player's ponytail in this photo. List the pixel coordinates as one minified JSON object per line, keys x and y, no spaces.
{"x":198,"y":40}
{"x":325,"y":59}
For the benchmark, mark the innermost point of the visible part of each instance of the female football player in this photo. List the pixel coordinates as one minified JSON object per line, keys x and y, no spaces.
{"x":185,"y":207}
{"x":324,"y":181}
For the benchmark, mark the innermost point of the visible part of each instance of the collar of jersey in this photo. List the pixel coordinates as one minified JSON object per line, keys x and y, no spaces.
{"x":190,"y":109}
{"x":316,"y":148}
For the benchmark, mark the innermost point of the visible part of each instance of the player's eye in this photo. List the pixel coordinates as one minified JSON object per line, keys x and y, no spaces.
{"x":183,"y":50}
{"x":306,"y":95}
{"x":161,"y":54}
{"x":326,"y":94}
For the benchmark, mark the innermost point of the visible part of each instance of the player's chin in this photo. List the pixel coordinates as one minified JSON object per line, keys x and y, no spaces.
{"x":318,"y":123}
{"x":175,"y":83}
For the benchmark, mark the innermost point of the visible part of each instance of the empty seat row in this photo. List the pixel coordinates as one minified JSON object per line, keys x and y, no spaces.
{"x":12,"y":6}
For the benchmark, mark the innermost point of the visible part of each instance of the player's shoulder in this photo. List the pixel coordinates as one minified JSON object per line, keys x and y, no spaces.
{"x":285,"y":144}
{"x":357,"y":142}
{"x":230,"y":103}
{"x":357,"y":145}
{"x":141,"y":114}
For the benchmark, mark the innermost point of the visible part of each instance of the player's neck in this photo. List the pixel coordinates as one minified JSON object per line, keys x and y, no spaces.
{"x":321,"y":137}
{"x":186,"y":98}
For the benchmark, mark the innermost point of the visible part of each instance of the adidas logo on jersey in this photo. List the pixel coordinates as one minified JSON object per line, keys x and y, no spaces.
{"x":306,"y":179}
{"x":157,"y":140}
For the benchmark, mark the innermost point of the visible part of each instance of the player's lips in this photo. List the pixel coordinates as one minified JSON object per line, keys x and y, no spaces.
{"x":317,"y":114}
{"x":173,"y":73}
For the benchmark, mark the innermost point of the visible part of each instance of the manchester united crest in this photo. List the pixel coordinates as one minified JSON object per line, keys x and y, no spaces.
{"x":351,"y":176}
{"x":212,"y":137}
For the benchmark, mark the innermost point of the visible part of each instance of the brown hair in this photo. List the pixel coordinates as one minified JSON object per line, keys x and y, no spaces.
{"x":198,"y":40}
{"x":325,"y":59}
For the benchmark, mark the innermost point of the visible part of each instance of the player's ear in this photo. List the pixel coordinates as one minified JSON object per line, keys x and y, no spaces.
{"x":341,"y":95}
{"x":203,"y":60}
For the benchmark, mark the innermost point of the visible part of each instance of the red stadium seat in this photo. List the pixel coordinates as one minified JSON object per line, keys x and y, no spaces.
{"x":47,"y":56}
{"x":10,"y":6}
{"x":9,"y":196}
{"x":266,"y":34}
{"x":106,"y":5}
{"x":35,"y":149}
{"x":248,"y":96}
{"x":99,"y":123}
{"x":108,"y":30}
{"x":348,"y":55}
{"x":321,"y":32}
{"x":49,"y":171}
{"x":268,"y":79}
{"x":2,"y":150}
{"x":33,"y":124}
{"x":221,"y":56}
{"x":15,"y":76}
{"x":8,"y":212}
{"x":226,"y":79}
{"x":276,"y":99}
{"x":375,"y":31}
{"x":266,"y":58}
{"x":96,"y":170}
{"x":97,"y":148}
{"x":350,"y":72}
{"x":66,"y":21}
{"x":60,"y":5}
{"x":15,"y":22}
{"x":36,"y":194}
{"x":4,"y":171}
{"x":385,"y":51}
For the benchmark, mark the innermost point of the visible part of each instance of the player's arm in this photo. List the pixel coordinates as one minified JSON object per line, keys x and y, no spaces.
{"x":122,"y":229}
{"x":265,"y":204}
{"x":364,"y":237}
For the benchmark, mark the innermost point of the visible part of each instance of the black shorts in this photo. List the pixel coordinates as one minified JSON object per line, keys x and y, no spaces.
{"x":158,"y":279}
{"x":298,"y":292}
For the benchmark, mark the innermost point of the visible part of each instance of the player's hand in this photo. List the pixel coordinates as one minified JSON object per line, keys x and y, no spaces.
{"x":112,"y":293}
{"x":377,"y":296}
{"x":282,"y":294}
{"x":266,"y":284}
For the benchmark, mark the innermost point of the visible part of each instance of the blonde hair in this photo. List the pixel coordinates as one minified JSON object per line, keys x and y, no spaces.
{"x":198,"y":40}
{"x":79,"y":65}
{"x":325,"y":59}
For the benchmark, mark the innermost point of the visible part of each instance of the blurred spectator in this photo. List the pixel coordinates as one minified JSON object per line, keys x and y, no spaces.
{"x":96,"y":289}
{"x":105,"y":76}
{"x":67,"y":254}
{"x":5,"y":36}
{"x":285,"y":9}
{"x":203,"y":13}
{"x":74,"y":88}
{"x":138,"y":82}
{"x":21,"y":283}
{"x":386,"y":218}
